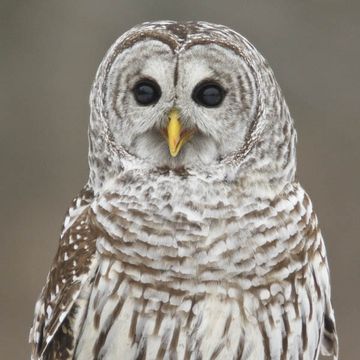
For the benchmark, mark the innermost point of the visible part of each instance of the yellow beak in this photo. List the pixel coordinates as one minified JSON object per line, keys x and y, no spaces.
{"x":176,"y":136}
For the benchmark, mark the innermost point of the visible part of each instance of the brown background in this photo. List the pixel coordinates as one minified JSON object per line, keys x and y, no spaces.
{"x":49,"y":52}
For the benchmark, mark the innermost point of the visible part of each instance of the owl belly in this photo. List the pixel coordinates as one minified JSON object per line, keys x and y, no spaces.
{"x":140,"y":322}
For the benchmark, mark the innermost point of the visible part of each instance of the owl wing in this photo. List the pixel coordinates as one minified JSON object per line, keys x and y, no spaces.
{"x":73,"y":267}
{"x":317,"y":283}
{"x":314,"y":320}
{"x":297,"y":317}
{"x":308,"y":318}
{"x":329,"y":345}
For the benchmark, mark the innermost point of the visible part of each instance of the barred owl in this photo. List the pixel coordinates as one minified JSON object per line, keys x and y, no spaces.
{"x":192,"y":238}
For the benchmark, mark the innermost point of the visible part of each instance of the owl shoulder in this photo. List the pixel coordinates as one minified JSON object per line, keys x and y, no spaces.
{"x":72,"y":267}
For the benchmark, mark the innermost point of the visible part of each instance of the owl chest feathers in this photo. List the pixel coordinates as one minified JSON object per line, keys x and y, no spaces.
{"x":190,"y":268}
{"x":187,"y":229}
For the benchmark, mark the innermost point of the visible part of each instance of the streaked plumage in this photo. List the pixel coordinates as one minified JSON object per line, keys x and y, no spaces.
{"x":213,"y":254}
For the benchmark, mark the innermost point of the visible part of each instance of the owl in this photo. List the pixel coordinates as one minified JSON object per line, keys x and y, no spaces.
{"x":191,"y":239}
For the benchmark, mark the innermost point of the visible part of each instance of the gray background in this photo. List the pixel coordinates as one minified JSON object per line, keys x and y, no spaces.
{"x":49,"y":52}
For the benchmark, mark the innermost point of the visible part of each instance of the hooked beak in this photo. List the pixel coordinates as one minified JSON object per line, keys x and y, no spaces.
{"x":176,"y":135}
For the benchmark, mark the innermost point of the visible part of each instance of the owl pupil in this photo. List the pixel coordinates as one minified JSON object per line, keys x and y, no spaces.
{"x":208,"y":94}
{"x":147,"y":92}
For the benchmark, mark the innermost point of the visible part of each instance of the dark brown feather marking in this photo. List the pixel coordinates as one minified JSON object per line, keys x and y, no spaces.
{"x":132,"y":330}
{"x":164,"y":343}
{"x":175,"y":337}
{"x":217,"y":351}
{"x":266,"y":341}
{"x":286,"y":333}
{"x":240,"y":347}
{"x":316,"y":284}
{"x":108,"y":325}
{"x":304,"y":335}
{"x":158,"y":321}
{"x":227,"y":325}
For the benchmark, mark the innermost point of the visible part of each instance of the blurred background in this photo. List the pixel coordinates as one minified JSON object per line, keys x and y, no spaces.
{"x":49,"y":53}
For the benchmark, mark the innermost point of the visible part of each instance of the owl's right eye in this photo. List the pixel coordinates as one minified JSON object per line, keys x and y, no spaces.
{"x":146,"y":92}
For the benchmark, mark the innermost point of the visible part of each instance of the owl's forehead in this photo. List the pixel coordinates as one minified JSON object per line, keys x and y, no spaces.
{"x":179,"y":38}
{"x":150,"y":49}
{"x":182,"y":35}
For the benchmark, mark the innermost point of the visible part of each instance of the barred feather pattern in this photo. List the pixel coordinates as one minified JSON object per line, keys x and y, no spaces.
{"x":221,"y":262}
{"x":200,"y":275}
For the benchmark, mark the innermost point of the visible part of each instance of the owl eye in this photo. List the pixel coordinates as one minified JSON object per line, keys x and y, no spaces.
{"x":146,"y":92}
{"x":208,"y":94}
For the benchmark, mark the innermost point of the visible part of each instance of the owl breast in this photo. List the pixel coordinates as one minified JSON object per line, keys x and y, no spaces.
{"x":183,"y":272}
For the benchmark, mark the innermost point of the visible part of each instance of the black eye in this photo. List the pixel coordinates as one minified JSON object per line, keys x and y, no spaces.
{"x":146,"y":92}
{"x":208,"y":94}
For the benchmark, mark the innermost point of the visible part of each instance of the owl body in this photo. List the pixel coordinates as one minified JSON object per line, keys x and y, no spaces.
{"x":213,"y":256}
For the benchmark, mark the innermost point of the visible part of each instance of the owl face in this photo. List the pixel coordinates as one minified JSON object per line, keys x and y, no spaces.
{"x":194,"y":95}
{"x":189,"y":107}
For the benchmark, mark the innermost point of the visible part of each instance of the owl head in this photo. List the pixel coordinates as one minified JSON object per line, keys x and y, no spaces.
{"x":188,"y":95}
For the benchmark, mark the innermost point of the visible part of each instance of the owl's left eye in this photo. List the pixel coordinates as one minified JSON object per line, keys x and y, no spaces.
{"x":208,"y":94}
{"x":146,"y":92}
